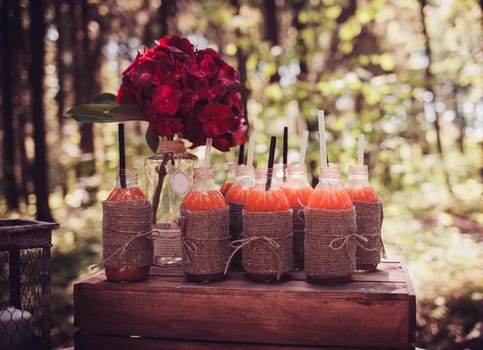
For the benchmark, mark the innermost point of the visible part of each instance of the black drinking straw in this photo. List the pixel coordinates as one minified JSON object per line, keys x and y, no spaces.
{"x":122,"y":156}
{"x":285,"y":151}
{"x":241,"y":155}
{"x":271,"y":157}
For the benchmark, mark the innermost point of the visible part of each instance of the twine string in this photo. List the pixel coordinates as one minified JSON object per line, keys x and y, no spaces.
{"x":122,"y":250}
{"x":271,"y":243}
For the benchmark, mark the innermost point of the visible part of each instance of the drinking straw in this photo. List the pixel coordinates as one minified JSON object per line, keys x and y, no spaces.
{"x":285,"y":151}
{"x":303,"y":146}
{"x":209,"y":141}
{"x":323,"y":148}
{"x":360,"y":153}
{"x":241,"y":155}
{"x":251,"y":149}
{"x":122,"y":156}
{"x":271,"y":157}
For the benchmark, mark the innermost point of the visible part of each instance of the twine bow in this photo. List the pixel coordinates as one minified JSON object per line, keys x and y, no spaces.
{"x":122,"y":250}
{"x":345,"y":240}
{"x":271,"y":242}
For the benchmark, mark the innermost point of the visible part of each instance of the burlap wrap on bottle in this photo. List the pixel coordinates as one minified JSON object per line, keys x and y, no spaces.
{"x":330,"y":250}
{"x":369,"y":217}
{"x":205,"y":241}
{"x":298,"y":228}
{"x":270,"y":247}
{"x":236,"y":231}
{"x":126,"y":234}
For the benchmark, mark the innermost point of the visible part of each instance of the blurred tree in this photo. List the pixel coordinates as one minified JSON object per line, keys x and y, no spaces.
{"x":40,"y":166}
{"x":7,"y":24}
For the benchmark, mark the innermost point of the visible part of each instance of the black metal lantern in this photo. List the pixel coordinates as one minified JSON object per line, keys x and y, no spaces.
{"x":25,"y":283}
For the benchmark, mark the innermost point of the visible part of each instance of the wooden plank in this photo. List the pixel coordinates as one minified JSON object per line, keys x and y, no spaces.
{"x":89,"y":342}
{"x":375,"y":310}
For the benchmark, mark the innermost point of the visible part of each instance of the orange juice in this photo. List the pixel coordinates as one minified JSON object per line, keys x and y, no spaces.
{"x":265,"y":201}
{"x":243,"y":184}
{"x":204,"y":200}
{"x":296,"y":187}
{"x":358,"y":185}
{"x":130,"y":192}
{"x":261,"y":199}
{"x":330,"y":193}
{"x":203,"y":195}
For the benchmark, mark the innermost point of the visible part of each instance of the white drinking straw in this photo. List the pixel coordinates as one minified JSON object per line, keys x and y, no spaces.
{"x":360,"y":150}
{"x":209,"y":141}
{"x":303,"y":146}
{"x":251,"y":149}
{"x":323,"y":148}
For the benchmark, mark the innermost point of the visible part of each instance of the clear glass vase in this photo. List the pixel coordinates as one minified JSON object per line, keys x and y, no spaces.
{"x":169,"y":177}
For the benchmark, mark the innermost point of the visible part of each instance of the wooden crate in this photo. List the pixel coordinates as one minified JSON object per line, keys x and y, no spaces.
{"x":376,"y":310}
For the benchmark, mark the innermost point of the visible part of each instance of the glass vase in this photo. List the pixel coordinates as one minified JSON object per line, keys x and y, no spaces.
{"x":169,"y":177}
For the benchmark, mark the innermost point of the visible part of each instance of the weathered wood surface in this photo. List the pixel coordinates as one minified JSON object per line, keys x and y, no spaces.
{"x":376,"y":310}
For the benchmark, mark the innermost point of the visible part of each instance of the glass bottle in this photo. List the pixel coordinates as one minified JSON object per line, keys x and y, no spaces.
{"x":296,"y":187}
{"x":210,"y":248}
{"x":243,"y":183}
{"x":369,"y":217}
{"x":127,"y":191}
{"x":236,"y":197}
{"x":203,"y":194}
{"x":230,"y":178}
{"x":330,"y":193}
{"x":330,"y":253}
{"x":169,"y":176}
{"x":358,"y":186}
{"x":298,"y":191}
{"x":267,"y":197}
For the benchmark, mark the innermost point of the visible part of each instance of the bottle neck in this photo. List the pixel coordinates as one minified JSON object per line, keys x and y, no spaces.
{"x":245,"y":176}
{"x":265,"y":180}
{"x":127,"y":178}
{"x":358,"y":176}
{"x":203,"y":180}
{"x":330,"y":178}
{"x":297,"y":176}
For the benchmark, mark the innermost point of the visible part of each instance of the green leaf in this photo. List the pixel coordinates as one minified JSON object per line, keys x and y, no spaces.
{"x":152,"y":140}
{"x":91,"y":113}
{"x":126,"y":112}
{"x":105,"y":98}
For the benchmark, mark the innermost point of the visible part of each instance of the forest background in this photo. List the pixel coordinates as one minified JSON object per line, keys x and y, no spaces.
{"x":407,"y":74}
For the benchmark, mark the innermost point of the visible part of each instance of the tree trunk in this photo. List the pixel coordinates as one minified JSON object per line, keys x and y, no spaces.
{"x":60,"y":97}
{"x":8,"y":156}
{"x":429,"y":81}
{"x":270,"y":31}
{"x":40,"y":179}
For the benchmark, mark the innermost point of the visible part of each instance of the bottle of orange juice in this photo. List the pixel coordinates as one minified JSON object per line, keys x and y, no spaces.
{"x":236,"y":197}
{"x":329,"y":229}
{"x":127,"y":189}
{"x":205,"y":229}
{"x":267,"y":224}
{"x":230,"y":177}
{"x":368,"y":215}
{"x":298,"y":191}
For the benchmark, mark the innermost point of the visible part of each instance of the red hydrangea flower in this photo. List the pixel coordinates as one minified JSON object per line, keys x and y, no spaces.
{"x":185,"y":91}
